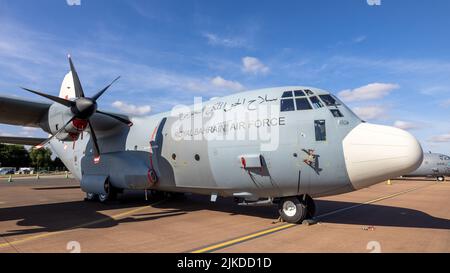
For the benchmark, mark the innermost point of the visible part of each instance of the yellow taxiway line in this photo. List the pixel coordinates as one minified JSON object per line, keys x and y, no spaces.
{"x":45,"y":235}
{"x":225,"y":244}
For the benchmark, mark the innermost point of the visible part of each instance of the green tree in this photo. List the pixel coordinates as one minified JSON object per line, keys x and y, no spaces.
{"x":41,"y":158}
{"x":14,"y":156}
{"x":58,"y":165}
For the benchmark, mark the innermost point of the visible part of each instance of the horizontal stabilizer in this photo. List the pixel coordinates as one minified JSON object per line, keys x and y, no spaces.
{"x":21,"y":140}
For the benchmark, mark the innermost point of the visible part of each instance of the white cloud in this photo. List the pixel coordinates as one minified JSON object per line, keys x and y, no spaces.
{"x":445,"y":103}
{"x":435,"y":90}
{"x":370,"y":112}
{"x":406,"y":125}
{"x":440,"y":138}
{"x":360,"y":39}
{"x":368,"y":92}
{"x":131,"y":109}
{"x":226,"y":84}
{"x":215,"y":40}
{"x":254,"y":66}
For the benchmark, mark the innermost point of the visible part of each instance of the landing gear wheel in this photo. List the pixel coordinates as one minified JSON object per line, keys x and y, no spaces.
{"x":440,"y":178}
{"x":103,"y":197}
{"x":109,"y":195}
{"x":90,"y":196}
{"x":292,"y":210}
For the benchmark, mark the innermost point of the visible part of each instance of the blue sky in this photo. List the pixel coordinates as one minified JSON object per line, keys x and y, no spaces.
{"x":390,"y":63}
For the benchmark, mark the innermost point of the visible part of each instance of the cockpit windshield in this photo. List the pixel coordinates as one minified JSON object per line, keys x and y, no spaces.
{"x":329,"y":100}
{"x":316,"y":102}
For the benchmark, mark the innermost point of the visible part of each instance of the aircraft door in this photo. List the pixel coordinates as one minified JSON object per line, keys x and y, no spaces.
{"x":304,"y":151}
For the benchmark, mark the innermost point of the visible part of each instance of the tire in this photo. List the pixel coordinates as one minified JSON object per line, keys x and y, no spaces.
{"x":91,"y":196}
{"x":292,"y":210}
{"x":103,"y":197}
{"x":440,"y":178}
{"x":110,"y":195}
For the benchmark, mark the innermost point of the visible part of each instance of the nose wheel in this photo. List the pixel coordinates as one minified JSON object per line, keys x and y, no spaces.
{"x":296,"y":209}
{"x":440,"y":178}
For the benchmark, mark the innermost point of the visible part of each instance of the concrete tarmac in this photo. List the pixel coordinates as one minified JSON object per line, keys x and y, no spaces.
{"x":49,"y":215}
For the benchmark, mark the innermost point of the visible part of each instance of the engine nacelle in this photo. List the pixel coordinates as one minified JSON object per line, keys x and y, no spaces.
{"x":59,"y":116}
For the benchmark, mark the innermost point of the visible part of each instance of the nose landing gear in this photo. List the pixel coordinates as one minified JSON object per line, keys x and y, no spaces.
{"x":296,"y":209}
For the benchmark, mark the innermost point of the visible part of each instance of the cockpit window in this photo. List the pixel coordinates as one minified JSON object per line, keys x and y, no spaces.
{"x":320,"y":130}
{"x":287,"y":94}
{"x":316,"y":102}
{"x":336,"y":113}
{"x":329,"y":100}
{"x":303,"y":104}
{"x":287,"y":105}
{"x":309,"y":92}
{"x":299,"y":93}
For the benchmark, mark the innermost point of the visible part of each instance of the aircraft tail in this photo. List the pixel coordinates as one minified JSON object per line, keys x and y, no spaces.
{"x":67,"y":87}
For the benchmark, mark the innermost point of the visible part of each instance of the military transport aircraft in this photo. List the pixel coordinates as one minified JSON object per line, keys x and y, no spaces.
{"x":280,"y":146}
{"x":433,"y":165}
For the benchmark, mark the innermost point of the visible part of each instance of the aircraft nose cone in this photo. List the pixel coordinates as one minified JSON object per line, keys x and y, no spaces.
{"x":375,"y":153}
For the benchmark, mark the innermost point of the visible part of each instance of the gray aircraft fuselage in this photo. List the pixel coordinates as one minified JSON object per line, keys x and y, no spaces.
{"x":433,"y":165}
{"x":266,"y":143}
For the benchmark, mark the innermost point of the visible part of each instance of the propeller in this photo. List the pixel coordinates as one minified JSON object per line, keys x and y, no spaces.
{"x":82,"y":108}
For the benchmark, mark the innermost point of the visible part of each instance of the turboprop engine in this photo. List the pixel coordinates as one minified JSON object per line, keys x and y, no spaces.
{"x":69,"y":118}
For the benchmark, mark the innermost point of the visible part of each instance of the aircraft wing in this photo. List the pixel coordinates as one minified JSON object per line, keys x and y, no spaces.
{"x":15,"y":111}
{"x":31,"y":141}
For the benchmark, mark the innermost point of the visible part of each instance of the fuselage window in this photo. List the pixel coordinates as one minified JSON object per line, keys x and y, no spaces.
{"x":336,"y":113}
{"x":320,"y":129}
{"x":303,"y":104}
{"x":299,"y":93}
{"x":316,"y":102}
{"x":287,"y":105}
{"x":328,"y":100}
{"x":287,"y":94}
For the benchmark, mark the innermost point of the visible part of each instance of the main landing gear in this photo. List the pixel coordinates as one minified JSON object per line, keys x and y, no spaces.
{"x":109,"y":195}
{"x":296,"y":209}
{"x":440,"y":178}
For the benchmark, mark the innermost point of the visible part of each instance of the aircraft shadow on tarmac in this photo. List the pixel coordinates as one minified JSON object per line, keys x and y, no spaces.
{"x":88,"y":215}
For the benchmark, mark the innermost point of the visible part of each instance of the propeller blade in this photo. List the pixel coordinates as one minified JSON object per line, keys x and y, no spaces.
{"x":126,"y":121}
{"x":99,"y":94}
{"x":95,"y":142}
{"x":53,"y":136}
{"x":76,"y":80}
{"x":59,"y":100}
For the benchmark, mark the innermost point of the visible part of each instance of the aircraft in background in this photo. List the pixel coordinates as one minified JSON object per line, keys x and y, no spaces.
{"x":282,"y":146}
{"x":433,"y":165}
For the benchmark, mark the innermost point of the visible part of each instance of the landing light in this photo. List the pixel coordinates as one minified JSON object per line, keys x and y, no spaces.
{"x":97,"y":160}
